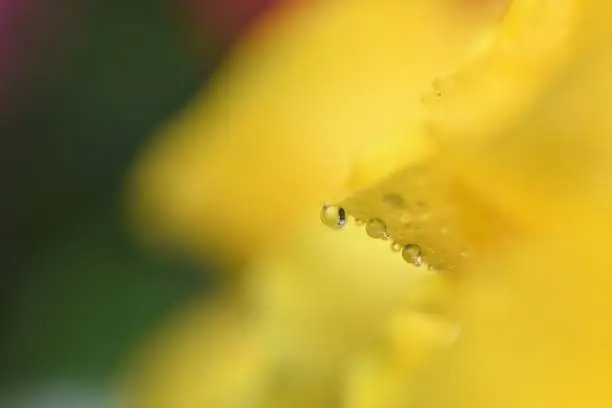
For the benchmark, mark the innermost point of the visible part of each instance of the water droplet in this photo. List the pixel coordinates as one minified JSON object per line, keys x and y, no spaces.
{"x":377,"y":229}
{"x":412,"y":254}
{"x":333,"y":216}
{"x":396,"y":247}
{"x":394,"y":200}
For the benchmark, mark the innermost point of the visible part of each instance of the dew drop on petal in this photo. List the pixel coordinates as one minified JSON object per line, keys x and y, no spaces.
{"x":412,"y":254}
{"x":377,"y":229}
{"x":333,"y":216}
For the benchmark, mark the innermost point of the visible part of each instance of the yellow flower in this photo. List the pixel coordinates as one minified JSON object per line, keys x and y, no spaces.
{"x":479,"y":147}
{"x":207,"y":356}
{"x":287,"y":333}
{"x":317,"y":93}
{"x":300,"y":107}
{"x":519,"y":177}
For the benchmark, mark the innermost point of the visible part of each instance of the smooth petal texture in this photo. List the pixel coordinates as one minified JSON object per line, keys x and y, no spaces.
{"x":535,"y":325}
{"x":393,"y":370}
{"x":323,"y":296}
{"x":533,"y":179}
{"x":513,"y":149}
{"x":206,"y":356}
{"x":291,"y":329}
{"x":301,"y":112}
{"x":556,"y":152}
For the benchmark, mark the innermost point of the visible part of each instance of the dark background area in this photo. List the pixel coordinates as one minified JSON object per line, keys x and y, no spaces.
{"x":77,"y":294}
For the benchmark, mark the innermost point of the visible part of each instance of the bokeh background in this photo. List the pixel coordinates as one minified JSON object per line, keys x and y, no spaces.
{"x":83,"y":84}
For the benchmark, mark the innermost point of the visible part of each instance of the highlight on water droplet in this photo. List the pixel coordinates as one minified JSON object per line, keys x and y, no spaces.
{"x":377,"y":229}
{"x":412,"y":254}
{"x":396,"y":246}
{"x":333,"y":216}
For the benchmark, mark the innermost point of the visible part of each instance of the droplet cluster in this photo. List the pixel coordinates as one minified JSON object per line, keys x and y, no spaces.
{"x":335,"y":217}
{"x":416,"y":211}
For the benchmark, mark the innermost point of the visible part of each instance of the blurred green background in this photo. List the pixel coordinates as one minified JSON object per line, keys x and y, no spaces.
{"x":77,"y":293}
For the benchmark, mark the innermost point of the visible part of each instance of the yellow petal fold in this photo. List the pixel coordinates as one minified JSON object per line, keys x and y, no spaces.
{"x":313,"y":104}
{"x":519,"y":137}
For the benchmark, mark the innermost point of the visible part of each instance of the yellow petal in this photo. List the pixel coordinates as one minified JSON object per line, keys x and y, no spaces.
{"x":322,"y":297}
{"x":557,"y":152}
{"x":207,"y":356}
{"x":300,"y":112}
{"x":519,"y":135}
{"x":390,"y":373}
{"x":376,"y":381}
{"x":536,"y":328}
{"x":301,"y":314}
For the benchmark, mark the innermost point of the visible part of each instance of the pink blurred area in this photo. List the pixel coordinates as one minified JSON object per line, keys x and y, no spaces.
{"x":12,"y":13}
{"x":216,"y":24}
{"x":32,"y":38}
{"x":221,"y":22}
